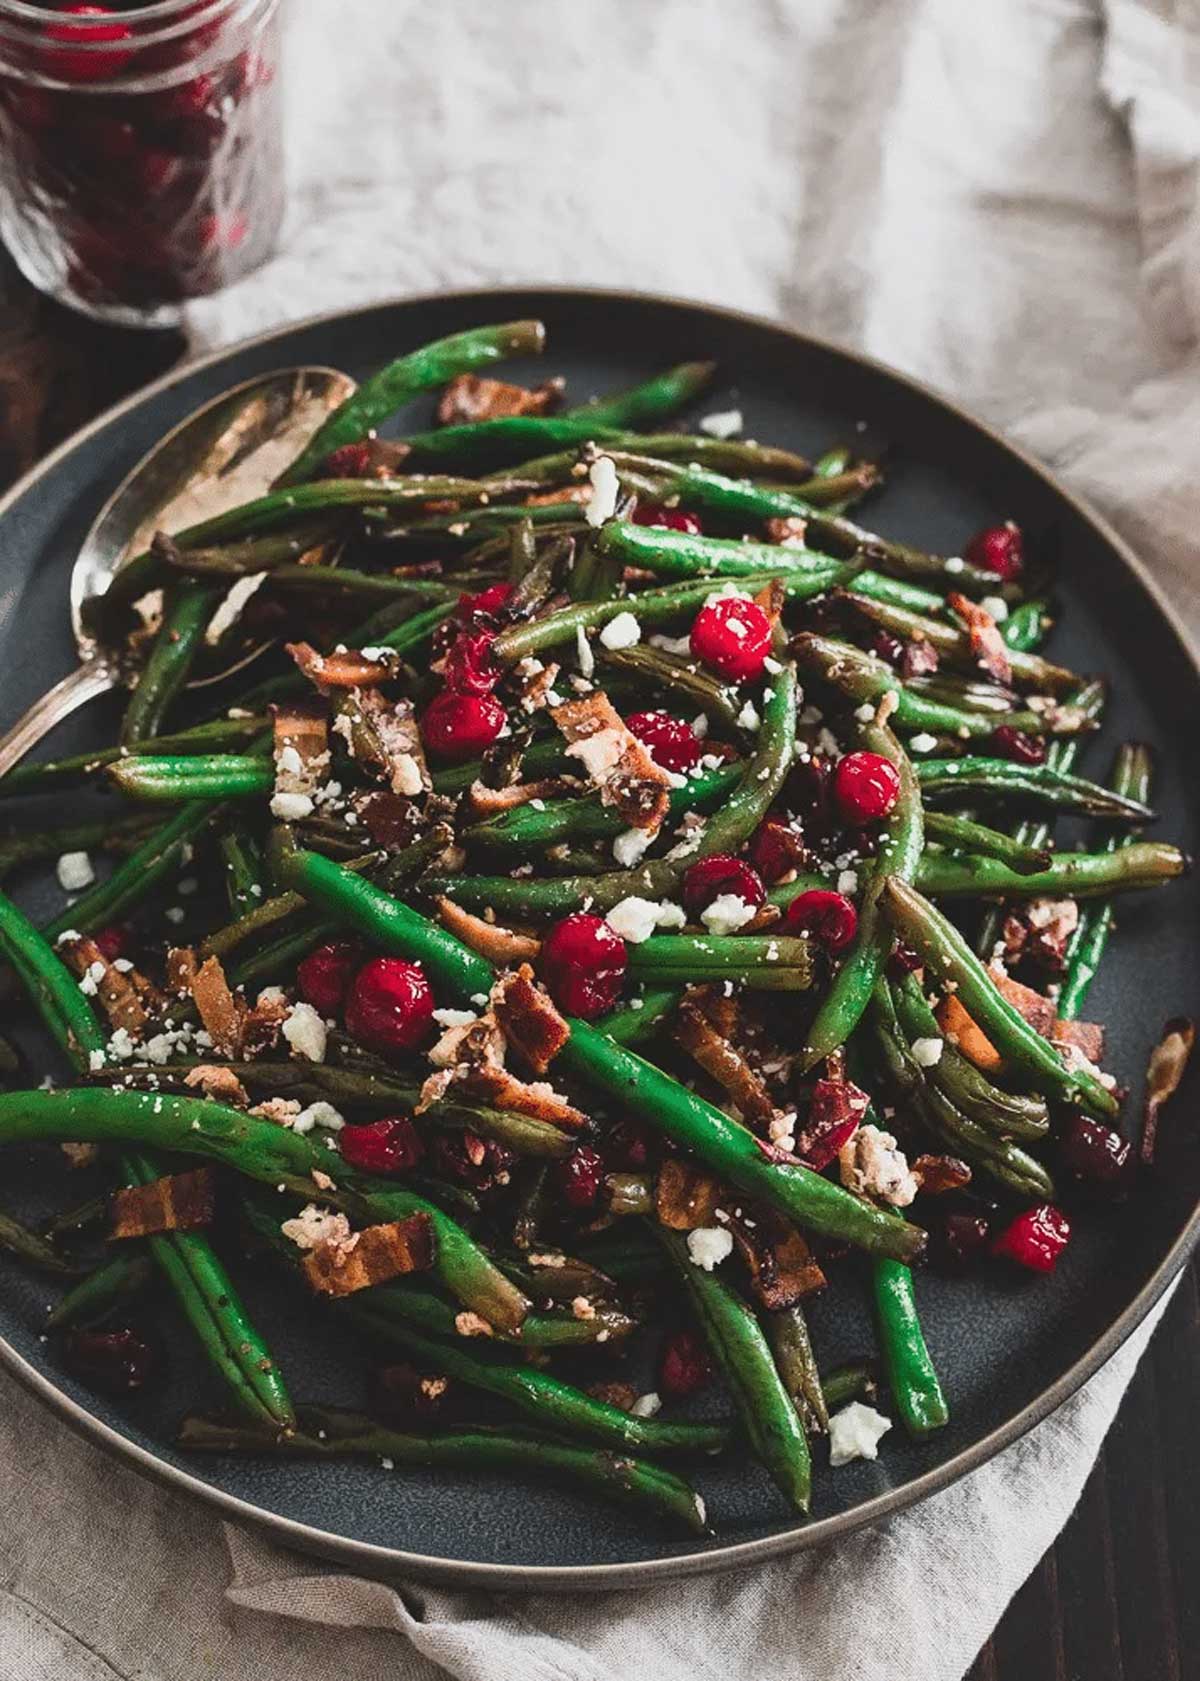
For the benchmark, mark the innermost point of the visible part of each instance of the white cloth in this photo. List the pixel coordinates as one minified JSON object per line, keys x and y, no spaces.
{"x":997,"y":196}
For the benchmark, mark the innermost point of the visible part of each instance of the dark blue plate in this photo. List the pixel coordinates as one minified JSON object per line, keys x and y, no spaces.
{"x":1009,"y":1350}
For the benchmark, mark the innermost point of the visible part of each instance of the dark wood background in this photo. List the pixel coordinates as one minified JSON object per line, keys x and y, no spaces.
{"x":1117,"y":1598}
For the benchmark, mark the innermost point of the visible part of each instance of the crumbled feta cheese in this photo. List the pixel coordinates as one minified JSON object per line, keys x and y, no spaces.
{"x":319,"y":1114}
{"x":305,"y":1032}
{"x":74,"y":871}
{"x":671,"y":915}
{"x":727,"y":913}
{"x":230,"y":609}
{"x":927,"y":1052}
{"x":95,"y":1061}
{"x":772,"y":665}
{"x":996,"y":606}
{"x":602,"y":504}
{"x":120,"y":1045}
{"x":290,"y":808}
{"x":174,"y":913}
{"x":314,"y":1226}
{"x":847,"y":883}
{"x":583,"y":648}
{"x":727,"y":423}
{"x":871,"y":1164}
{"x":621,"y":632}
{"x":955,"y":563}
{"x":923,"y":743}
{"x":708,"y":1246}
{"x":647,"y":1405}
{"x":636,"y":919}
{"x":748,"y":718}
{"x":855,"y":1433}
{"x":455,"y":1018}
{"x":288,"y":760}
{"x":865,"y":712}
{"x":671,"y":644}
{"x":700,"y":726}
{"x":598,"y":753}
{"x":629,"y":847}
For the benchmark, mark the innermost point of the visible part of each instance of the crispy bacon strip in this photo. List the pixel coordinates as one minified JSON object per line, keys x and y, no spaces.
{"x":220,"y":1011}
{"x":578,"y":493}
{"x":987,"y":643}
{"x":379,"y":1253}
{"x":1086,"y":1036}
{"x":483,"y":801}
{"x":685,"y":1196}
{"x":782,"y":1267}
{"x":1168,"y":1061}
{"x":350,"y":670}
{"x":529,"y":1019}
{"x":498,"y":945}
{"x":123,"y":995}
{"x":771,"y":599}
{"x":181,"y":1202}
{"x":962,"y":1030}
{"x":301,"y":747}
{"x":473,"y":1056}
{"x":720,"y":1059}
{"x":218,"y":1082}
{"x":615,"y":759}
{"x":1036,"y":1008}
{"x":472,"y":397}
{"x":939,"y":1174}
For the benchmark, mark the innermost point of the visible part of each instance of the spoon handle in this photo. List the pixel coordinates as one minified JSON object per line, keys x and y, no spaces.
{"x":94,"y":677}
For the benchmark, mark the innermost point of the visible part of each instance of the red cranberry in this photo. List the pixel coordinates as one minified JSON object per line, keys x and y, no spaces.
{"x":580,"y":1176}
{"x":829,"y":917}
{"x":155,"y":170}
{"x":865,"y":787}
{"x":732,"y":636}
{"x":188,"y":99}
{"x":470,"y":668}
{"x":223,"y":233}
{"x":389,"y":1006}
{"x":111,"y":942}
{"x":458,"y":727}
{"x":1095,"y":1152}
{"x":777,"y":847}
{"x":683,"y":1365}
{"x":116,"y":1362}
{"x":1018,"y":745}
{"x":721,"y":874}
{"x":903,"y":960}
{"x":583,"y":964}
{"x":834,"y":1116}
{"x":958,"y":1240}
{"x":999,"y":549}
{"x":478,"y":1162}
{"x":491,"y":601}
{"x":887,"y":647}
{"x":1036,"y":1238}
{"x":388,"y":1146}
{"x":325,"y":973}
{"x":352,"y":461}
{"x":674,"y":519}
{"x":74,"y":56}
{"x":673,"y":744}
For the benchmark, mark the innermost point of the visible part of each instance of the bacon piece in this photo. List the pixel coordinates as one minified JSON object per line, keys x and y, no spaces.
{"x":123,"y":994}
{"x":987,"y":643}
{"x":221,"y":1012}
{"x":180,"y":1202}
{"x":473,"y":1056}
{"x":724,"y":1063}
{"x":536,"y":682}
{"x":771,"y":599}
{"x":964,"y":1033}
{"x":580,"y":494}
{"x":371,"y":1257}
{"x":472,"y":397}
{"x":498,"y":945}
{"x":1040,"y":931}
{"x":383,"y":735}
{"x":782,"y":1267}
{"x":939,"y":1174}
{"x":1168,"y":1062}
{"x":483,"y":801}
{"x":301,"y":747}
{"x":219,"y":1082}
{"x":349,"y":670}
{"x":1034,"y":1006}
{"x":529,"y":1019}
{"x":181,"y":971}
{"x":1086,"y":1036}
{"x":685,"y":1196}
{"x":615,"y":759}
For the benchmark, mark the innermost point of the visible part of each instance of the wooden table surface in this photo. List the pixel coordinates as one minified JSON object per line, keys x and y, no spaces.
{"x":1117,"y":1598}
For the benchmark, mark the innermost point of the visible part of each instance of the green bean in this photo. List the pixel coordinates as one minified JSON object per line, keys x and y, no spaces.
{"x":898,"y":853}
{"x":761,"y":962}
{"x":255,"y":554}
{"x":616,"y":1476}
{"x":1025,"y":627}
{"x":36,"y":844}
{"x":541,"y":758}
{"x":282,"y":955}
{"x":911,"y":1375}
{"x":791,"y":1345}
{"x":961,"y":834}
{"x":34,"y":1249}
{"x":678,"y":676}
{"x":768,"y":1416}
{"x":650,"y":607}
{"x":127,"y":1276}
{"x":186,"y":612}
{"x":393,"y":386}
{"x":728,"y":1147}
{"x":547,"y":1400}
{"x":220,"y":733}
{"x":135,"y":877}
{"x":343,"y":580}
{"x":1044,"y":785}
{"x":953,"y":644}
{"x":586,"y":817}
{"x":51,"y":986}
{"x":1131,"y":776}
{"x":197,"y":776}
{"x":242,"y":857}
{"x":641,"y":1016}
{"x":848,"y":1383}
{"x":1078,"y":875}
{"x":947,"y":954}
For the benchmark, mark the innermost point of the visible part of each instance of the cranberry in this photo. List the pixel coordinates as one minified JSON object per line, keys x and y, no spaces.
{"x":189,"y":99}
{"x":1019,"y":746}
{"x":116,"y":1362}
{"x":777,"y":847}
{"x":958,"y":1240}
{"x":887,"y":647}
{"x":73,"y":55}
{"x":458,"y":727}
{"x":111,"y":942}
{"x":470,"y":668}
{"x":580,"y":1176}
{"x":732,"y":636}
{"x":388,"y":1146}
{"x":834,"y":1116}
{"x":674,"y":519}
{"x":389,"y":1006}
{"x":683,"y":1365}
{"x":352,"y":461}
{"x":1036,"y":1238}
{"x":491,"y":601}
{"x":865,"y":787}
{"x":919,"y":658}
{"x":713,"y":878}
{"x":325,"y":973}
{"x":223,"y":233}
{"x":999,"y":549}
{"x":829,"y":917}
{"x":583,"y":963}
{"x":155,"y":170}
{"x":478,"y":1162}
{"x":903,"y":960}
{"x":673,"y":744}
{"x":1095,"y":1152}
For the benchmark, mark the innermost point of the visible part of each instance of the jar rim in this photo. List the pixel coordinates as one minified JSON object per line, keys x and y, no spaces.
{"x":165,"y":21}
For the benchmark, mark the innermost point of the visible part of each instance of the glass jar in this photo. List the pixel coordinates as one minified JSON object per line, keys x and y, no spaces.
{"x":141,"y":159}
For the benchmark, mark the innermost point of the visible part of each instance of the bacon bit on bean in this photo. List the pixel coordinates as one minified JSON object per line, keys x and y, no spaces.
{"x":348,"y":670}
{"x":685,"y":1197}
{"x":472,"y":397}
{"x":380,"y":1252}
{"x":834,"y":1116}
{"x":179,"y":1202}
{"x":499,"y":945}
{"x":1168,"y":1061}
{"x":987,"y":643}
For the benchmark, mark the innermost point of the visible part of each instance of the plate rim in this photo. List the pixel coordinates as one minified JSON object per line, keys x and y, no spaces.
{"x":393,"y":1561}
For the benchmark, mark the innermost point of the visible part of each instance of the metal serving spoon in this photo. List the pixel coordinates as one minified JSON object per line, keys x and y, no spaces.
{"x":227,"y":452}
